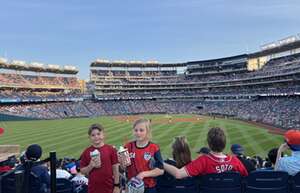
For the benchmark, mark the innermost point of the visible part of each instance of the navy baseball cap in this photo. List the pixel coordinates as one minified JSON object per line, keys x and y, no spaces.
{"x":34,"y":152}
{"x":237,"y":149}
{"x":204,"y":150}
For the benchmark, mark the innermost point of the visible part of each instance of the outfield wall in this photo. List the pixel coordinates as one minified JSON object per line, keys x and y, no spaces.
{"x":5,"y":117}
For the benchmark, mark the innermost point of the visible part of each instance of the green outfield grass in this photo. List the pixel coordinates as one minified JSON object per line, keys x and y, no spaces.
{"x":69,"y":137}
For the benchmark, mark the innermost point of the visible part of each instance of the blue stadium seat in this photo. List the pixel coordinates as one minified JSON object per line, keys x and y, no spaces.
{"x":165,"y":183}
{"x":296,"y":183}
{"x":12,"y":182}
{"x":267,"y":182}
{"x":168,"y":184}
{"x":228,"y":182}
{"x":8,"y":183}
{"x":186,"y":185}
{"x":64,"y":186}
{"x":81,"y":189}
{"x":171,"y":185}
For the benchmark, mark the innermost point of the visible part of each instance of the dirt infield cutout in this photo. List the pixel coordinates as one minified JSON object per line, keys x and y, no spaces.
{"x":163,"y":120}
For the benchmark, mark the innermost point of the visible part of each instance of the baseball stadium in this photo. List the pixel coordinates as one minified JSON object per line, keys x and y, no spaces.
{"x":253,"y":97}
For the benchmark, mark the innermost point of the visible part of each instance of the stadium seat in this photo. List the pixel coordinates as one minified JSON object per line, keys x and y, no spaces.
{"x":165,"y":183}
{"x":267,"y":182}
{"x":81,"y":189}
{"x":64,"y":186}
{"x":296,"y":183}
{"x":228,"y":182}
{"x":12,"y":182}
{"x":186,"y":185}
{"x":168,"y":184}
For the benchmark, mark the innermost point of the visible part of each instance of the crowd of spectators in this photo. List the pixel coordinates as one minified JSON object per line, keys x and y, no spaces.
{"x":274,"y":67}
{"x":21,"y":80}
{"x":276,"y":89}
{"x":277,"y":77}
{"x":278,"y":111}
{"x":93,"y":108}
{"x":35,"y":96}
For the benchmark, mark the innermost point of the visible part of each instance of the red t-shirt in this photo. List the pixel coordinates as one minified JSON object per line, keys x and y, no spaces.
{"x":5,"y":168}
{"x":100,"y":179}
{"x":140,"y":161}
{"x":208,"y":164}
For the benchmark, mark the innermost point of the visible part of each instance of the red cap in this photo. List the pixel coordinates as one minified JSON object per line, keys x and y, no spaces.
{"x":292,"y":137}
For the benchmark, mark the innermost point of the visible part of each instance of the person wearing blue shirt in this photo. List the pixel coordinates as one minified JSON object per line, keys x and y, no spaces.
{"x":290,"y":164}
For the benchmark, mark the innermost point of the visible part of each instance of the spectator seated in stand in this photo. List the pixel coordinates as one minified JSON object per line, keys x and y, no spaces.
{"x":271,"y":159}
{"x":39,"y":177}
{"x":61,"y":173}
{"x":8,"y":164}
{"x":215,"y":162}
{"x":238,"y":150}
{"x":290,"y":164}
{"x":181,"y":156}
{"x":79,"y":180}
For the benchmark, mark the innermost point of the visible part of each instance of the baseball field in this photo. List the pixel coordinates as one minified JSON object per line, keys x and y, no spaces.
{"x":69,"y":137}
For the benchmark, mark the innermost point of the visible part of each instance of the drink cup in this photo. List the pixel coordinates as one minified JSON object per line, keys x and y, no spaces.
{"x":124,"y":156}
{"x":95,"y":155}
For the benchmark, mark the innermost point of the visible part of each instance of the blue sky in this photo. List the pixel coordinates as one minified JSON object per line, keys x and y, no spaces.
{"x":77,"y":32}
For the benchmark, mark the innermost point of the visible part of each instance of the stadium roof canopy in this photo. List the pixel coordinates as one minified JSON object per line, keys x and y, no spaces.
{"x":37,"y":67}
{"x":277,"y":49}
{"x":218,"y":59}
